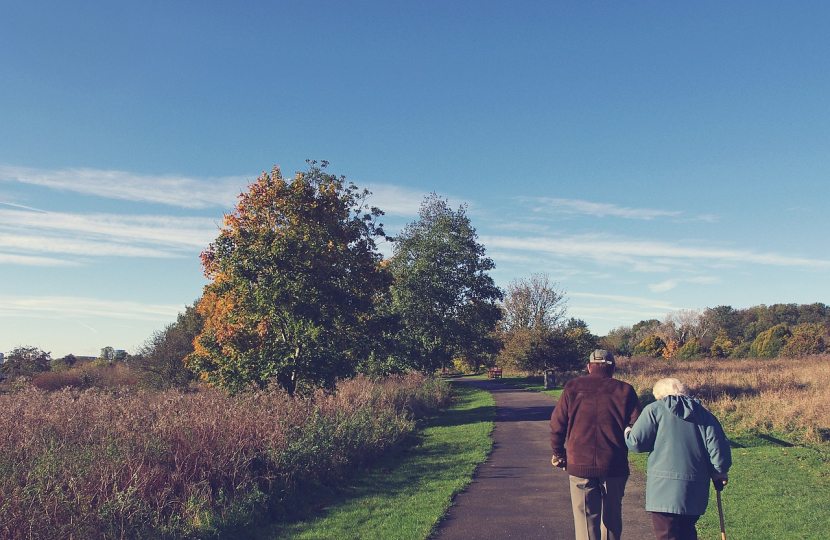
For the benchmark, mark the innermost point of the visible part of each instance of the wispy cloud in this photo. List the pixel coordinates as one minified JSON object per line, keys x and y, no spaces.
{"x":618,"y":310}
{"x":29,"y":260}
{"x":601,"y":210}
{"x":10,"y":243}
{"x":396,"y":200}
{"x":168,"y":230}
{"x":618,"y":250}
{"x":74,"y":307}
{"x":576,"y":206}
{"x":670,"y":284}
{"x":181,"y":191}
{"x":25,"y":234}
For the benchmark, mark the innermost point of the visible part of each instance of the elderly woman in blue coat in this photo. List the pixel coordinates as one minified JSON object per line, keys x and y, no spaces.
{"x":688,"y":449}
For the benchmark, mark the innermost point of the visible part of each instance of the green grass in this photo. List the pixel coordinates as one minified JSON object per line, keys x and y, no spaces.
{"x":404,"y":495}
{"x":775,"y":492}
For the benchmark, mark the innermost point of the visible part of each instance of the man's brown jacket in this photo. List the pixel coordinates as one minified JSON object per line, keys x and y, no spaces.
{"x":589,"y":421}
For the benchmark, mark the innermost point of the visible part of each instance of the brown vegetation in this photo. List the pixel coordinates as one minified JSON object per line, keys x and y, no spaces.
{"x":125,"y":464}
{"x":784,"y":396}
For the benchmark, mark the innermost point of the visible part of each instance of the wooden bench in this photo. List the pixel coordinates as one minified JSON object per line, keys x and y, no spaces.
{"x":494,"y":373}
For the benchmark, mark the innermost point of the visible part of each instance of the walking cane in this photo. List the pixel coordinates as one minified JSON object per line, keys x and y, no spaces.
{"x":718,"y":489}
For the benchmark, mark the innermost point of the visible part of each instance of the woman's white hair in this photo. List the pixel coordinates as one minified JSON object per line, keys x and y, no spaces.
{"x":669,"y":387}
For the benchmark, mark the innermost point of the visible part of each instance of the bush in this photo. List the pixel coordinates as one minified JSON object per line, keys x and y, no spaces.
{"x":652,"y":346}
{"x":57,"y":380}
{"x":769,"y":342}
{"x":124,"y":464}
{"x":690,"y":350}
{"x":806,"y":339}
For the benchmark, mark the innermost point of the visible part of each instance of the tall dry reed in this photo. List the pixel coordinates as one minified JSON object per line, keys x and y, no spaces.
{"x":126,"y":464}
{"x":781,"y":395}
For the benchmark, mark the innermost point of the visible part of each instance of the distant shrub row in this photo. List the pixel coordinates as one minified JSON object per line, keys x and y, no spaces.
{"x":785,"y":330}
{"x":125,"y":464}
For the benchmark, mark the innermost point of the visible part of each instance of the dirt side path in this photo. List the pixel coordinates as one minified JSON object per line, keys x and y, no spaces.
{"x":516,"y":493}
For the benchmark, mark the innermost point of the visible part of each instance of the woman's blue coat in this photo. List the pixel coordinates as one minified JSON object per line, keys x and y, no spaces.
{"x":687,"y":446}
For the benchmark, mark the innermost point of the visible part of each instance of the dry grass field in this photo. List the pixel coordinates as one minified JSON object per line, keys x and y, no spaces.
{"x":779,"y":396}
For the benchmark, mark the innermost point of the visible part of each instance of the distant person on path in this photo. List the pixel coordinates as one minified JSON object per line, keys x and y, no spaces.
{"x":587,"y":438}
{"x":688,"y":448}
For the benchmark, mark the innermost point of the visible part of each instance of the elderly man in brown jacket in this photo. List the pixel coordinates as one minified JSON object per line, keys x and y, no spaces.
{"x":588,"y":441}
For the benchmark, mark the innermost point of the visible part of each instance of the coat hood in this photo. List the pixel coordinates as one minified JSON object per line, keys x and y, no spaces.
{"x":685,"y":407}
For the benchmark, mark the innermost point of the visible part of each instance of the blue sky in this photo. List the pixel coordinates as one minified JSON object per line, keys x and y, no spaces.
{"x":648,"y":156}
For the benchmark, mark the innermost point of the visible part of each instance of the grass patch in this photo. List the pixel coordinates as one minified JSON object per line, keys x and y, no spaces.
{"x":776,"y":491}
{"x":407,"y":492}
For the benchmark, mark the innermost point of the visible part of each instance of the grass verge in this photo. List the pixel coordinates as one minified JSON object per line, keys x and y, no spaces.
{"x":406,"y":493}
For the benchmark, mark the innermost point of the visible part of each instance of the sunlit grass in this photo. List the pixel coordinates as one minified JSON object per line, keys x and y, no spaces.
{"x":404,"y":495}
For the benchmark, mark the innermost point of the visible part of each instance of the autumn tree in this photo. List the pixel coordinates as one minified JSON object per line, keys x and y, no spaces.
{"x":806,"y":339}
{"x":294,"y":275}
{"x":442,"y":292}
{"x":534,"y":332}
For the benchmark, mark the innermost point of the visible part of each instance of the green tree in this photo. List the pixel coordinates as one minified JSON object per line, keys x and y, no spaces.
{"x":571,"y":344}
{"x":107,"y":354}
{"x":26,"y":361}
{"x":442,"y":292}
{"x":161,"y":360}
{"x":295,"y":274}
{"x":769,"y":342}
{"x":618,"y":341}
{"x":816,"y":313}
{"x":722,"y":345}
{"x":690,"y":350}
{"x":64,"y":363}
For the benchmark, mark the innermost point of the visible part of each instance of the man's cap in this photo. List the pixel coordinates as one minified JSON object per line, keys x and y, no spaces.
{"x":601,"y":356}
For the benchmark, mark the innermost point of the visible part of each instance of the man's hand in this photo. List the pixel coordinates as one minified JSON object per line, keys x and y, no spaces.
{"x":719,"y":480}
{"x":557,"y":461}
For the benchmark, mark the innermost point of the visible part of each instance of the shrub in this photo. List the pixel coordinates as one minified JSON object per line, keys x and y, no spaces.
{"x":769,"y":342}
{"x":690,"y":350}
{"x":127,"y":464}
{"x":806,"y":339}
{"x":57,"y":380}
{"x":722,"y":345}
{"x":652,"y":346}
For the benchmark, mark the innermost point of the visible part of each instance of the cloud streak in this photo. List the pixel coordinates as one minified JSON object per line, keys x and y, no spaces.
{"x":184,"y":232}
{"x":602,"y":210}
{"x":171,"y":190}
{"x":670,"y":284}
{"x":25,"y":234}
{"x":78,"y":307}
{"x":662,"y":255}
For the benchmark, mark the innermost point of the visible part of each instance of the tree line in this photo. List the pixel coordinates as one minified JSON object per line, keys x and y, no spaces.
{"x":761,"y":331}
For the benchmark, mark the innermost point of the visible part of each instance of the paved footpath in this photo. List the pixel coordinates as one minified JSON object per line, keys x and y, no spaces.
{"x":517,"y":493}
